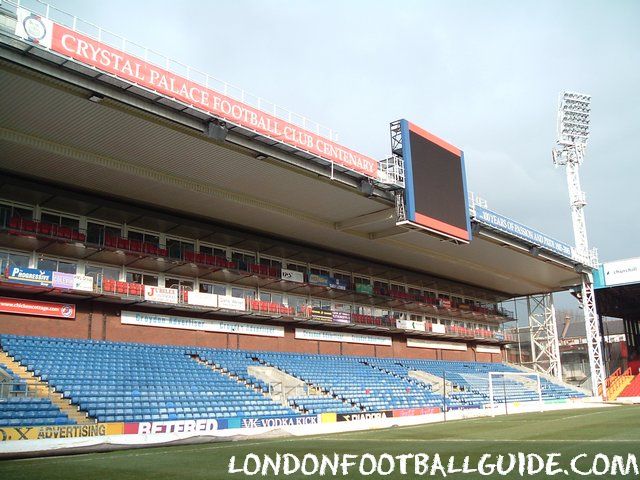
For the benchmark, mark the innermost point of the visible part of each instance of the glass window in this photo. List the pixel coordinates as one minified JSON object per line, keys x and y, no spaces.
{"x":213,"y":251}
{"x":100,"y":273}
{"x":178,"y":284}
{"x":318,"y":271}
{"x":47,"y":264}
{"x":176,"y":248}
{"x":213,"y":288}
{"x":61,"y":220}
{"x":296,"y":302}
{"x":8,"y":212}
{"x":243,"y":260}
{"x":96,"y":232}
{"x":144,"y":237}
{"x":143,"y":278}
{"x":10,"y":259}
{"x":242,"y":293}
{"x":270,"y":262}
{"x":56,"y":265}
{"x":296,"y":267}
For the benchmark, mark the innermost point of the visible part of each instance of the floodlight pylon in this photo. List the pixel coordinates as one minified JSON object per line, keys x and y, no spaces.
{"x":574,"y":113}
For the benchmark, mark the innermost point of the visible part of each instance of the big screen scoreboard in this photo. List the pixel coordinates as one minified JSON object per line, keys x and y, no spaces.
{"x":435,"y":184}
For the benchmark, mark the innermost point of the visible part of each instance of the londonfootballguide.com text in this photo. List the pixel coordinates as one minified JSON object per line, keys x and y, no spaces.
{"x":435,"y":465}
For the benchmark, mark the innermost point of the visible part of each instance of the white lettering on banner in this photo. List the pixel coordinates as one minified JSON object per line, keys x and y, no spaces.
{"x":88,"y":51}
{"x":181,"y":426}
{"x":414,"y":342}
{"x":278,"y":422}
{"x":622,"y":271}
{"x":207,"y":325}
{"x":504,"y":224}
{"x":231,"y":303}
{"x":160,"y":294}
{"x":292,"y":276}
{"x":202,"y":299}
{"x":345,"y":337}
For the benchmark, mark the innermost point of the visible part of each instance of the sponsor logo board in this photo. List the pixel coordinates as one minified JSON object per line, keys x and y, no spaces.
{"x":62,"y":431}
{"x":37,"y":308}
{"x":160,"y":294}
{"x":30,"y":276}
{"x":207,"y":325}
{"x":202,"y":299}
{"x":292,"y":276}
{"x":352,"y":417}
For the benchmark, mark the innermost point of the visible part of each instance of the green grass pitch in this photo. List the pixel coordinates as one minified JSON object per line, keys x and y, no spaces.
{"x":609,"y":431}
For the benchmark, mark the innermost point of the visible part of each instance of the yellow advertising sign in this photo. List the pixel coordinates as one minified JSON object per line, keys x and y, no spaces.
{"x":60,"y":431}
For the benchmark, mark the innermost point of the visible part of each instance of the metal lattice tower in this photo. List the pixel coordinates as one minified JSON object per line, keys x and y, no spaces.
{"x":545,"y":349}
{"x":573,"y":132}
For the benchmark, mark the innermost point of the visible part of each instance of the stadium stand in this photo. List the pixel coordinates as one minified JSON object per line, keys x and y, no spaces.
{"x":633,"y":389}
{"x":117,"y":381}
{"x":19,"y":408}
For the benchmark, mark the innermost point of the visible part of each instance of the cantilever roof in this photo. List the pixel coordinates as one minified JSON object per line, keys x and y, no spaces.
{"x":152,"y":152}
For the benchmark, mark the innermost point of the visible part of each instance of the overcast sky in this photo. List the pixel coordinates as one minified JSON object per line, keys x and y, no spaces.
{"x":484,"y":75}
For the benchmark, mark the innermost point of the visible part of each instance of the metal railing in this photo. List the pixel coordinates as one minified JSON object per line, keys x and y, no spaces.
{"x":148,"y":55}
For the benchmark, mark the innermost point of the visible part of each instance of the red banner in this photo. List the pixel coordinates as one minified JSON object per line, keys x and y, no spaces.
{"x":33,"y":307}
{"x":135,"y":70}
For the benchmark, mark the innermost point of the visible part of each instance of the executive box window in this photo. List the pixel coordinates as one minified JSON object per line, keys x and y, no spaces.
{"x":11,"y":259}
{"x":243,"y":259}
{"x":143,"y":278}
{"x":213,"y":251}
{"x":60,"y":220}
{"x":242,"y":293}
{"x":318,"y":271}
{"x":176,"y":248}
{"x":144,"y":237}
{"x":100,"y":273}
{"x":270,"y":262}
{"x":343,"y":277}
{"x":57,"y":265}
{"x":98,"y":232}
{"x":179,"y":284}
{"x":271,"y":297}
{"x":214,"y":288}
{"x":8,"y":212}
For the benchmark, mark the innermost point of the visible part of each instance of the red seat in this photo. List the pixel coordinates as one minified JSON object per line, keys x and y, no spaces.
{"x":29,"y":225}
{"x":15,"y":222}
{"x":189,"y":256}
{"x":109,"y":285}
{"x":162,"y":252}
{"x":110,"y":241}
{"x":135,"y":245}
{"x":45,"y":228}
{"x":123,"y":244}
{"x":65,"y":232}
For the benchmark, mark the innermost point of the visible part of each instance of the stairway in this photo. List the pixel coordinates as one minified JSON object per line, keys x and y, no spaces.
{"x":42,"y":389}
{"x":617,"y":383}
{"x":244,"y":382}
